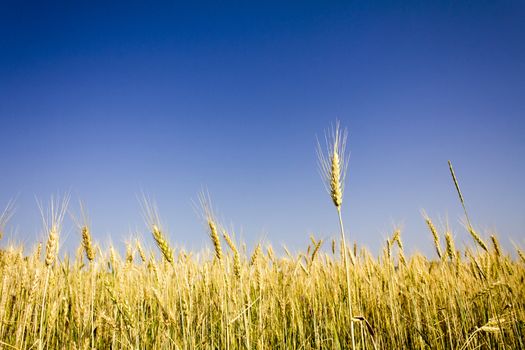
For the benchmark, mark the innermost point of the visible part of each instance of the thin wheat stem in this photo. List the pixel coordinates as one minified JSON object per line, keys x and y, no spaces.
{"x":347,"y":273}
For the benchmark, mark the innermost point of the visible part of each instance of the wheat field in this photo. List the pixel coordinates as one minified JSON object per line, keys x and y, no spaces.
{"x":333,"y":295}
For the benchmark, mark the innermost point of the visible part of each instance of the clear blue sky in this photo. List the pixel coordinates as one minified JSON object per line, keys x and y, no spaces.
{"x":109,"y":100}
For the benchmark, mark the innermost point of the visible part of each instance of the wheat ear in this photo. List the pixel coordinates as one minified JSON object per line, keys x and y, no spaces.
{"x":495,"y":244}
{"x":451,"y":249}
{"x":142,"y":254}
{"x":236,"y":257}
{"x":435,"y":235}
{"x":214,"y":235}
{"x":151,"y":215}
{"x":87,"y":244}
{"x":162,"y":243}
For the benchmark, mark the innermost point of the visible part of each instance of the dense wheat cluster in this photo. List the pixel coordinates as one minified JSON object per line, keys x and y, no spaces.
{"x":330,"y":296}
{"x":472,"y":299}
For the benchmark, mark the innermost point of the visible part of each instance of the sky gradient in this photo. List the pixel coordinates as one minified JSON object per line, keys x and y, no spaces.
{"x":107,"y":101}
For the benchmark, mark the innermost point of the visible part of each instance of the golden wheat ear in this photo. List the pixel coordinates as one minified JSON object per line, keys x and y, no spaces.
{"x":142,"y":254}
{"x":209,"y":217}
{"x":151,"y":215}
{"x":87,"y":238}
{"x":51,"y":246}
{"x":162,"y":243}
{"x":333,"y":162}
{"x":52,"y":220}
{"x":451,"y":248}
{"x":236,"y":256}
{"x":435,"y":235}
{"x":87,"y":244}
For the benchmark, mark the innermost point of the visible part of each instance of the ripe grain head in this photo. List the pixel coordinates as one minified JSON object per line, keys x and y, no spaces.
{"x":333,"y":162}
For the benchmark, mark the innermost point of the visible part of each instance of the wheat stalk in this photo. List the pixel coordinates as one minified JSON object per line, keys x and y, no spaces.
{"x":333,"y":166}
{"x":52,"y":223}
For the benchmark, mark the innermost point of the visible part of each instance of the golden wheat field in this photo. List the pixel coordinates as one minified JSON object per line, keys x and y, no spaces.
{"x":333,"y":295}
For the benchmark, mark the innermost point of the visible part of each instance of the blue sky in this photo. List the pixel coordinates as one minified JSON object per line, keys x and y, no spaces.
{"x":107,"y":101}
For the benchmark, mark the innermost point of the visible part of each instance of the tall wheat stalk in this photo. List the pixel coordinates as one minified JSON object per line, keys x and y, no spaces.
{"x":90,"y":255}
{"x":89,"y":250}
{"x":52,"y":225}
{"x":333,"y":166}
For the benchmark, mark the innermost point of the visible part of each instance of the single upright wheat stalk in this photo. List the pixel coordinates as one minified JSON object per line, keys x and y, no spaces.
{"x":53,"y":224}
{"x":333,"y":166}
{"x":87,"y":245}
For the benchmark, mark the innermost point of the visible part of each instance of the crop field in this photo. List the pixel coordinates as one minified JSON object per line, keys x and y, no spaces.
{"x":333,"y":295}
